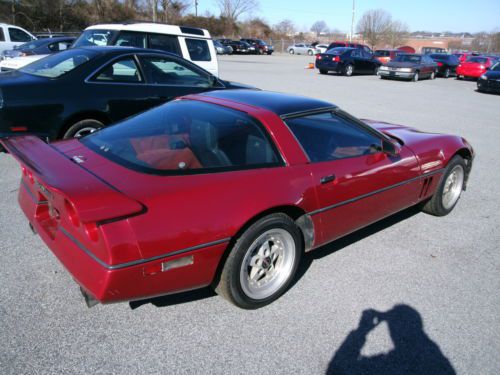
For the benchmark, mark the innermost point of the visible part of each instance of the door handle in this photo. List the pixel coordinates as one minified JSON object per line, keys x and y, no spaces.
{"x":327,"y":179}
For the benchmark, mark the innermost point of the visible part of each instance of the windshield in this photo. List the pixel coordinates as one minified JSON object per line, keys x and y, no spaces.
{"x":382,"y":53}
{"x":56,"y":65}
{"x":408,"y":58}
{"x":95,"y":38}
{"x":336,"y":51}
{"x":185,"y":137}
{"x":496,"y":67}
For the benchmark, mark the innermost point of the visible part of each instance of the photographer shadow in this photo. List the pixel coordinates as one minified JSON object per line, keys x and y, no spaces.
{"x":414,"y":352}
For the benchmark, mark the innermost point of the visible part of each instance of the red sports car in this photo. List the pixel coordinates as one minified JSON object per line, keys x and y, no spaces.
{"x":474,"y":67}
{"x":227,"y":189}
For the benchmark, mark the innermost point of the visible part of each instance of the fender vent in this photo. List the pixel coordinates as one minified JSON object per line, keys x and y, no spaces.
{"x":425,"y":186}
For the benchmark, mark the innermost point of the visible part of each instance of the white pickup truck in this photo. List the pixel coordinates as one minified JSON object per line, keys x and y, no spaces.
{"x":11,"y":36}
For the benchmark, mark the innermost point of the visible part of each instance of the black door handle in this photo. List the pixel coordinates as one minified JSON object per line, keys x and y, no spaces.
{"x":327,"y":179}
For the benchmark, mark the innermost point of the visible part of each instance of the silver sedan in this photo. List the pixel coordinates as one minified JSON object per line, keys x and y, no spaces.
{"x":301,"y":48}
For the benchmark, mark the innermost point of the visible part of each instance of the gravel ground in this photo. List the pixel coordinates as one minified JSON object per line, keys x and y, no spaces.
{"x":444,"y":271}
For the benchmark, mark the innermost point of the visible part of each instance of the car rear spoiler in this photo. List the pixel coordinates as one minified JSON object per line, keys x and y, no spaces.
{"x":51,"y":171}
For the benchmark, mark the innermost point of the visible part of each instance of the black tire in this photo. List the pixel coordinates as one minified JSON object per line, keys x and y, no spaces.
{"x":435,"y":206}
{"x":348,"y":70}
{"x":80,"y":128}
{"x":446,"y":73}
{"x":375,"y":71}
{"x":433,"y":75}
{"x":291,"y":52}
{"x":383,"y":77}
{"x":416,"y":76}
{"x":230,"y":286}
{"x":310,"y":52}
{"x":323,"y":71}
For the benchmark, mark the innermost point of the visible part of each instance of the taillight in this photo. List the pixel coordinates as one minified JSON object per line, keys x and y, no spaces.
{"x":440,"y":64}
{"x":336,"y":59}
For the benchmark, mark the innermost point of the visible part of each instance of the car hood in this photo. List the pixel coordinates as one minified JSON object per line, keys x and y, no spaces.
{"x":401,"y":64}
{"x":493,"y":74}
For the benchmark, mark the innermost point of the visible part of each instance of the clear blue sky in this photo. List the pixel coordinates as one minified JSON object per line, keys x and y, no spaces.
{"x":429,"y":15}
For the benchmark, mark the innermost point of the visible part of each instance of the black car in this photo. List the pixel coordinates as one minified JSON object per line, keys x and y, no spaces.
{"x":410,"y":66}
{"x":347,"y":61}
{"x":75,"y":92}
{"x":261,"y":47}
{"x":490,"y":81}
{"x":40,"y":47}
{"x":446,"y":64}
{"x":238,"y":46}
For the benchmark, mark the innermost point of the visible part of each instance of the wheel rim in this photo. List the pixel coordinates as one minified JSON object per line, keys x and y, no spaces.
{"x":349,"y":70}
{"x":453,"y":187}
{"x":447,"y":73}
{"x":416,"y":77}
{"x":310,"y":53}
{"x":268,"y":264}
{"x":433,"y":75}
{"x":84,"y":131}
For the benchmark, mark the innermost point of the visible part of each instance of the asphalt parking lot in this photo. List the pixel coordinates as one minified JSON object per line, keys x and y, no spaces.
{"x":444,"y":271}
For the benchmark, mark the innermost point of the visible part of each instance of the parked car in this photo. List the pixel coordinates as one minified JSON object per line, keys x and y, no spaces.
{"x":347,"y":61}
{"x":154,"y":205}
{"x":11,"y":36}
{"x":386,"y":55}
{"x":301,"y":49}
{"x":407,"y":49}
{"x":409,"y":66}
{"x":462,"y":56}
{"x":429,"y":50}
{"x":75,"y":92}
{"x":490,"y":81}
{"x":191,"y":43}
{"x":241,"y":48}
{"x":447,"y":64}
{"x":222,"y":49}
{"x":474,"y":67}
{"x":261,"y":47}
{"x":350,"y":45}
{"x":39,"y":47}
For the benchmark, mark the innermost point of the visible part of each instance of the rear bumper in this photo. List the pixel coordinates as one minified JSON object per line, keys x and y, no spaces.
{"x":108,"y":284}
{"x":329,"y":66}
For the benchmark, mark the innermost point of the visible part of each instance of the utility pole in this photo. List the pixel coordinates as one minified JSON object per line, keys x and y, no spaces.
{"x":352,"y":21}
{"x":196,"y":8}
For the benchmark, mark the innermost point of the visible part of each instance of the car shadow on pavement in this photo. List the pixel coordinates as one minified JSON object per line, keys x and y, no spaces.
{"x":414,"y":352}
{"x":307,"y":259}
{"x":352,"y":238}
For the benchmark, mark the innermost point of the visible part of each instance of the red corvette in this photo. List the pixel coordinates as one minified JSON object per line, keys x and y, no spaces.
{"x":474,"y":67}
{"x":227,"y":189}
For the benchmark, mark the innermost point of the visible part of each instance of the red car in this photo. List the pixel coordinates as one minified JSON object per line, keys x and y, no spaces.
{"x":227,"y":189}
{"x":386,"y":55}
{"x":474,"y":67}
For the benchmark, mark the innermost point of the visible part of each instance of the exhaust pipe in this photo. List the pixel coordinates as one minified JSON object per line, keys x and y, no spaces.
{"x":89,"y":300}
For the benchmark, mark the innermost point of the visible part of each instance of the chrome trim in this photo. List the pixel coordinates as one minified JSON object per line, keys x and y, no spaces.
{"x":139,"y":261}
{"x":320,"y":210}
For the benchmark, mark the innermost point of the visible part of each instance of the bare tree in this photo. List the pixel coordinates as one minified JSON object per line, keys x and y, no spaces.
{"x":396,"y":34}
{"x":373,"y":25}
{"x":285,"y":28}
{"x":319,"y":27}
{"x":233,"y":9}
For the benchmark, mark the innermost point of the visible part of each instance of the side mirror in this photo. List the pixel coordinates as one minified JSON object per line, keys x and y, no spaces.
{"x":214,"y":81}
{"x":390,"y":147}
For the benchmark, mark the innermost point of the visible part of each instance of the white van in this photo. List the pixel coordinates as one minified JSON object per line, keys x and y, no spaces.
{"x":189,"y":42}
{"x":11,"y":36}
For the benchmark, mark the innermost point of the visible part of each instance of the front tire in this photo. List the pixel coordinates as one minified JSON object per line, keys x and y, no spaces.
{"x":449,"y":189}
{"x":262,"y":262}
{"x":291,"y":52}
{"x":415,"y":77}
{"x":433,"y":75}
{"x":82,"y":128}
{"x":446,"y":73}
{"x":310,"y":52}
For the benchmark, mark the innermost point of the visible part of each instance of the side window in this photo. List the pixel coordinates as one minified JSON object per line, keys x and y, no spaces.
{"x":59,"y":46}
{"x":161,"y":70}
{"x":131,"y":39}
{"x":326,"y":137}
{"x":17,"y":35}
{"x":2,"y":37}
{"x":198,"y":49}
{"x":121,"y":71}
{"x":355,"y":53}
{"x":168,"y":43}
{"x":366,"y":54}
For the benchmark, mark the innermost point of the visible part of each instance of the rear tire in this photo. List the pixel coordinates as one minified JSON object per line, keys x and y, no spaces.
{"x":262,"y":263}
{"x":291,"y":52}
{"x":433,"y":75}
{"x":446,"y":73}
{"x":415,"y":77}
{"x":322,"y":71}
{"x":82,"y":128}
{"x":348,"y":70}
{"x":310,"y":52}
{"x":449,"y":189}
